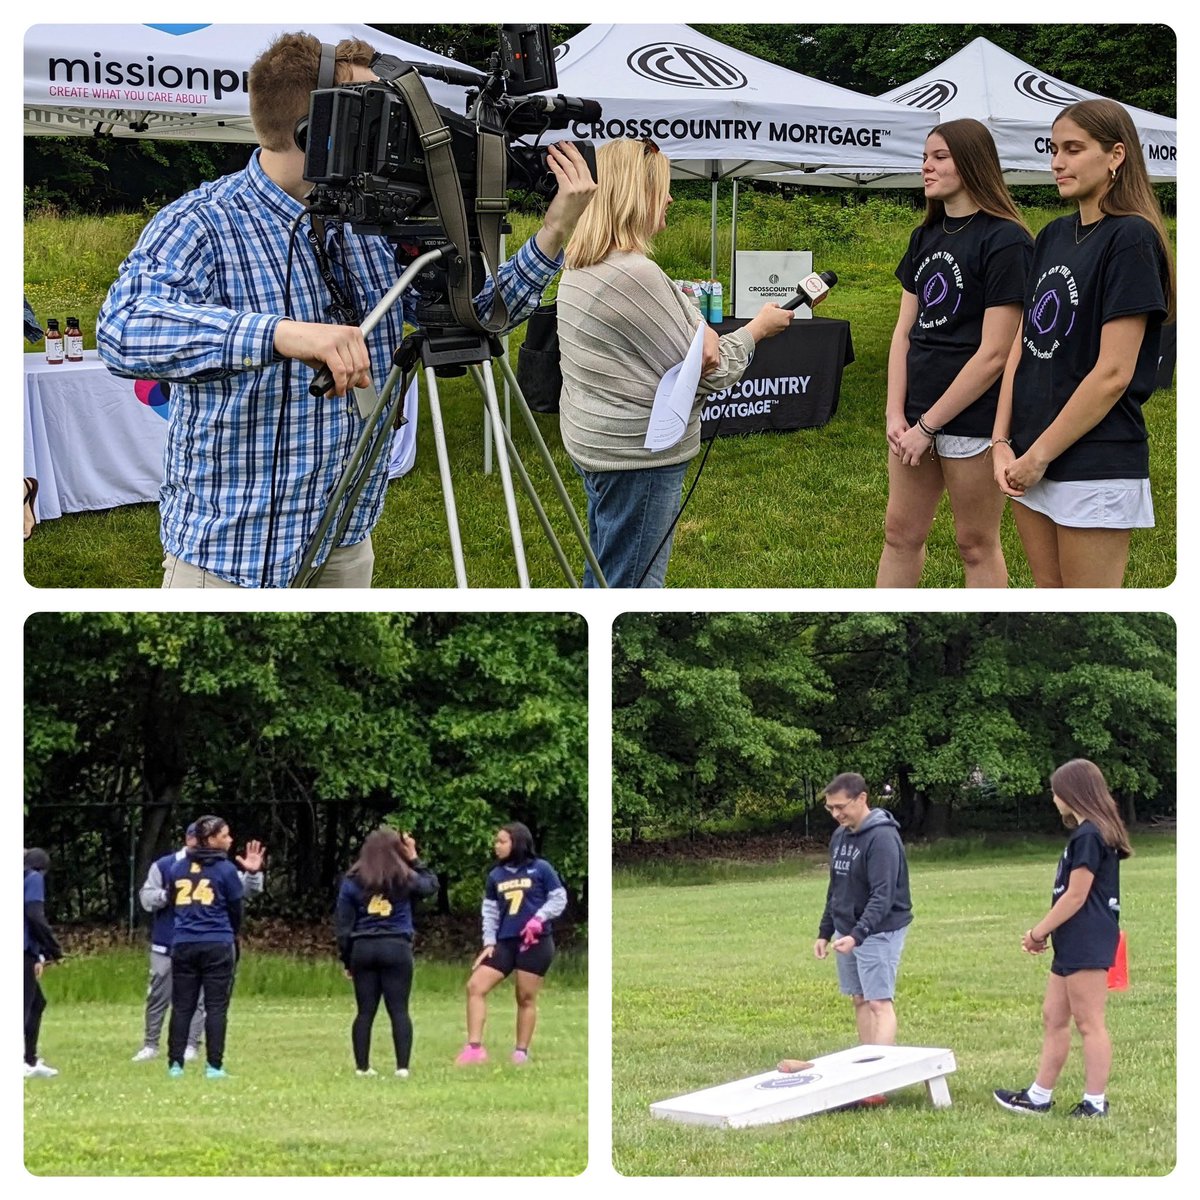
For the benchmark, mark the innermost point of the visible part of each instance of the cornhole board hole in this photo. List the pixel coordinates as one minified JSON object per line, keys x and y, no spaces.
{"x":833,"y":1080}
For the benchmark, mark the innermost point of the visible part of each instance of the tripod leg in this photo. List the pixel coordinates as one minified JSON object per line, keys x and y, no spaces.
{"x":439,"y":437}
{"x":510,"y":499}
{"x":527,"y":484}
{"x":306,"y":576}
{"x":548,"y":462}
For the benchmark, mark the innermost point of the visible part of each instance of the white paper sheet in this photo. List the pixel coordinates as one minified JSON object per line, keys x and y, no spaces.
{"x":675,"y":397}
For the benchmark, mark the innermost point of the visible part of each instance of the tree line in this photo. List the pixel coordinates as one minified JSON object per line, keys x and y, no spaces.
{"x":744,"y":717}
{"x":1135,"y":64}
{"x":303,"y":730}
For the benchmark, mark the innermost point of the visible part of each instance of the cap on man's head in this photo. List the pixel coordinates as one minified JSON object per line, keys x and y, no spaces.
{"x":190,"y":831}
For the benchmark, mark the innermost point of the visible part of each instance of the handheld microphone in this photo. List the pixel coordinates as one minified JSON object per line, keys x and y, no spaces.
{"x":811,"y":289}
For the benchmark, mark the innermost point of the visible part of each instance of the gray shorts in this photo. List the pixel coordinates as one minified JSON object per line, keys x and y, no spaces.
{"x":1093,"y":503}
{"x":870,"y":970}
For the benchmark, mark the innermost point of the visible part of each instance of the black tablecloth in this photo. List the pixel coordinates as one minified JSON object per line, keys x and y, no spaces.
{"x":793,"y":382}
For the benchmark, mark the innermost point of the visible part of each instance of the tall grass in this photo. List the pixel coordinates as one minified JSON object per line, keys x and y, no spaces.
{"x":795,"y":510}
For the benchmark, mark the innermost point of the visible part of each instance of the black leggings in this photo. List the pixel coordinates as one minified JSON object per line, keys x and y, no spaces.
{"x":35,"y":1005}
{"x":382,"y":966}
{"x":197,"y":966}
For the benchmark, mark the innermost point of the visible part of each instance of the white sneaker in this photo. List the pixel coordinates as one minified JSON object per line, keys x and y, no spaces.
{"x":189,"y":1054}
{"x":40,"y":1070}
{"x":145,"y":1054}
{"x":402,"y":1072}
{"x":368,"y":1071}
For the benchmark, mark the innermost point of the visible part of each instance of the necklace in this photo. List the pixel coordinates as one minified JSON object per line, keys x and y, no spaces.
{"x":1078,"y":227}
{"x":962,"y":226}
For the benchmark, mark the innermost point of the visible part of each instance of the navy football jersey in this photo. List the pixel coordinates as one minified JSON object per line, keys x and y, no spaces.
{"x":519,"y":892}
{"x":201,"y":891}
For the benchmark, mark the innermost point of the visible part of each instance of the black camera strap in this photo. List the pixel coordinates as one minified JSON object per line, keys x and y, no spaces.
{"x":343,"y":309}
{"x":491,"y":205}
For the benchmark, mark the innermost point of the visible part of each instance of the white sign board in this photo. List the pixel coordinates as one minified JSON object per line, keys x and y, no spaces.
{"x":769,"y":275}
{"x":832,"y":1081}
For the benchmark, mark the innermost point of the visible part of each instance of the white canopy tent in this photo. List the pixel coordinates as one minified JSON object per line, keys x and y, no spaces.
{"x":1018,"y":104}
{"x":720,"y":113}
{"x":168,"y":81}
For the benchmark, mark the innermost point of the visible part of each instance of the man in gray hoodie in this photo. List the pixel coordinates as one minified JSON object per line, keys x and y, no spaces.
{"x":867,"y":908}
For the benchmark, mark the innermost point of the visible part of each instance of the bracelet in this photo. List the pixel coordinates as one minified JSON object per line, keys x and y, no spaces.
{"x":1001,"y":442}
{"x":929,"y":433}
{"x":1034,"y":938}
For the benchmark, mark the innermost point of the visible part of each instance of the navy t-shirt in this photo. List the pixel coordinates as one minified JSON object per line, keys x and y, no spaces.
{"x":1083,"y":277}
{"x":1089,"y":938}
{"x":200,"y":895}
{"x":35,"y":893}
{"x":956,"y":277}
{"x":520,"y":892}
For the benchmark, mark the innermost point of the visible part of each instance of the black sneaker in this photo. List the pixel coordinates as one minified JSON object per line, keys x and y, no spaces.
{"x":1020,"y":1102}
{"x":1085,"y":1108}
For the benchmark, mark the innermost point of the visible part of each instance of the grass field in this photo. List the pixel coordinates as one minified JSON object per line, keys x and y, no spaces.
{"x":293,"y":1104}
{"x":803,"y":509}
{"x":715,"y":981}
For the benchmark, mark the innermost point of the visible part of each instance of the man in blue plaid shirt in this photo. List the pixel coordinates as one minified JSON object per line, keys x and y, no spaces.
{"x":200,"y":301}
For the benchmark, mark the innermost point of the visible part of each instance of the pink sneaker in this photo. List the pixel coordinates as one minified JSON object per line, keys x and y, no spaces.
{"x":469,"y":1055}
{"x":520,"y":1056}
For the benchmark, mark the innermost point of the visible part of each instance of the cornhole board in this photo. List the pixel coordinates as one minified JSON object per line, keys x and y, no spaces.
{"x":833,"y":1080}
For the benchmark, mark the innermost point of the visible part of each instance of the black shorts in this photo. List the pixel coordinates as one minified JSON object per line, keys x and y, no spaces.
{"x":509,"y":956}
{"x":1094,"y":952}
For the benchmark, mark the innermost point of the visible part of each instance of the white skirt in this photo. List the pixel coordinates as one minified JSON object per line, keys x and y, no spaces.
{"x":1092,"y":503}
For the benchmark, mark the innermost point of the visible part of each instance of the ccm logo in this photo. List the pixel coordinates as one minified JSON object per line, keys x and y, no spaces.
{"x":685,"y":66}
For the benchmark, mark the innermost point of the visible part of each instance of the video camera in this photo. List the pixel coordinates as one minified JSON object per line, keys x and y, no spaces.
{"x":363,"y":143}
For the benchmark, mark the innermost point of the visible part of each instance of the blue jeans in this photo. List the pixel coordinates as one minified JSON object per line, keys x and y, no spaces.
{"x":629,"y":512}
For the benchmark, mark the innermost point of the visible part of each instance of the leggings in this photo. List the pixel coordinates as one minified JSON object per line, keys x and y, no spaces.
{"x":382,"y":966}
{"x":35,"y":1005}
{"x":196,"y":967}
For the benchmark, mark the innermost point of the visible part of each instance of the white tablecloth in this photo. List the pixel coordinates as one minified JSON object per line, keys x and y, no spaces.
{"x":89,"y":441}
{"x":92,"y":444}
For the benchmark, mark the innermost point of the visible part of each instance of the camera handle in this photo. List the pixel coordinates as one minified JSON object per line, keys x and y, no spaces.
{"x":365,"y":455}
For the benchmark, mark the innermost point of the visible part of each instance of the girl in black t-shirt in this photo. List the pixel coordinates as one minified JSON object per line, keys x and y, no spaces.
{"x":1074,"y":453}
{"x":963,"y":278}
{"x":1085,"y":909}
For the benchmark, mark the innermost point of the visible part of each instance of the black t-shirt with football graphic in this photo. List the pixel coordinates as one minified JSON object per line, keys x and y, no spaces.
{"x":956,"y":277}
{"x":1083,"y":277}
{"x":1089,"y":938}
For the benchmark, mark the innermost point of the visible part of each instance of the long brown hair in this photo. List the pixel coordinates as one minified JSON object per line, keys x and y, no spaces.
{"x":978,"y":166}
{"x":1080,"y":785}
{"x":1130,"y":194}
{"x":381,"y":865}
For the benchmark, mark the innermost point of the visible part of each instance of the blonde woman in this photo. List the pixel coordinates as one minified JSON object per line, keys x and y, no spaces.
{"x":622,"y":324}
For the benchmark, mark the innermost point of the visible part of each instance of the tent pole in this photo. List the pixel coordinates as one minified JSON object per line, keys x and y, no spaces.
{"x":733,"y":254}
{"x":713,"y":255}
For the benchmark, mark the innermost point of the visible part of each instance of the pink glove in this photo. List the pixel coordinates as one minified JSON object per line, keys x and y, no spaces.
{"x":531,"y":932}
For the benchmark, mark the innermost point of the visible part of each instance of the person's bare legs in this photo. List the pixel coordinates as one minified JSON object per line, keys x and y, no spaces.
{"x":978,"y":505}
{"x":913,"y":496}
{"x":528,"y":986}
{"x":482,"y":980}
{"x":1087,"y":994}
{"x":883,"y":1022}
{"x":1039,"y":538}
{"x":1056,"y":1032}
{"x":863,"y":1020}
{"x":1093,"y":557}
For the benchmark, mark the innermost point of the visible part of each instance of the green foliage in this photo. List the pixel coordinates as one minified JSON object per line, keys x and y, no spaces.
{"x":317,"y":725}
{"x":686,"y":1018}
{"x":749,"y":713}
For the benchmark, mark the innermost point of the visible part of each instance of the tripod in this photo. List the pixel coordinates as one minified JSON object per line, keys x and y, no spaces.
{"x":438,"y":350}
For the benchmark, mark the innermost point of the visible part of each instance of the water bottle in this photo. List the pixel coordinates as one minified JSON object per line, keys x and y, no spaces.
{"x":715,"y":303}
